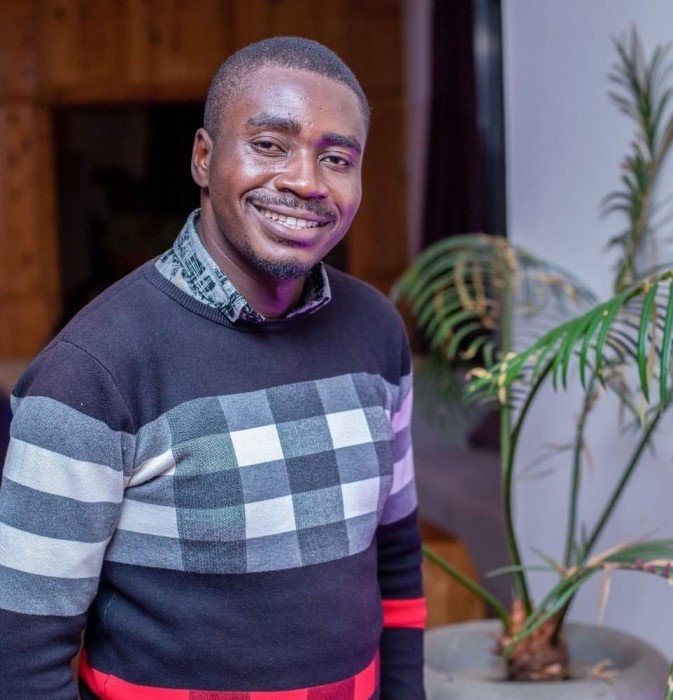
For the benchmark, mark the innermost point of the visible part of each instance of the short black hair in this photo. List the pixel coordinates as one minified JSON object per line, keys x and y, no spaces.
{"x":287,"y":51}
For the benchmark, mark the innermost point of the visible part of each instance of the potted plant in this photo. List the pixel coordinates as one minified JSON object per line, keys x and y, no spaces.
{"x":467,"y":294}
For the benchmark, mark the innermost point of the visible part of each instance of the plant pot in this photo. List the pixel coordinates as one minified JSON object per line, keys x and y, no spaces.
{"x":460,"y":665}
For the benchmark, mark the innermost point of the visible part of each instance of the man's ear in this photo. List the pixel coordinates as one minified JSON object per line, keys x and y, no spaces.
{"x":201,"y":154}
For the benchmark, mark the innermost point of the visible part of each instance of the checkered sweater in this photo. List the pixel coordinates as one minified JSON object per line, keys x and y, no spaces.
{"x":229,"y":509}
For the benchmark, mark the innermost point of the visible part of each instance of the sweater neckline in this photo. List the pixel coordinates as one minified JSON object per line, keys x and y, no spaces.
{"x":155,"y":277}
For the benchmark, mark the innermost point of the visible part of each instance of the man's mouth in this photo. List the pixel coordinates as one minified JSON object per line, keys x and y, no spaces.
{"x":293,"y":222}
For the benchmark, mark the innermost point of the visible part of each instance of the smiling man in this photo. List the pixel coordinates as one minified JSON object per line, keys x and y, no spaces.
{"x":210,"y":468}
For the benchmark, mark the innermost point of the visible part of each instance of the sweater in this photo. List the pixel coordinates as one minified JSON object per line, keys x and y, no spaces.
{"x":228,"y":509}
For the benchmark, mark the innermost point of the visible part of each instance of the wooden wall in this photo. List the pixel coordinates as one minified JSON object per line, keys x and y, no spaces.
{"x":56,"y":52}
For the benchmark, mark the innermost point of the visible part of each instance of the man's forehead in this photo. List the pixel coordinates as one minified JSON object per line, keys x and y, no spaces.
{"x":269,"y":90}
{"x":278,"y":77}
{"x":279,"y":71}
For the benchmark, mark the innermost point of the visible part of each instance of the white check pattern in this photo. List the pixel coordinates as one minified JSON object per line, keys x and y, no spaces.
{"x":253,"y":495}
{"x":291,"y":476}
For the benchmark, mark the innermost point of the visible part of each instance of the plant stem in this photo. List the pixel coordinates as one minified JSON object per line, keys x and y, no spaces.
{"x":571,"y":537}
{"x":621,"y":485}
{"x":506,"y":451}
{"x":518,"y":575}
{"x":471,"y":586}
{"x":609,"y":508}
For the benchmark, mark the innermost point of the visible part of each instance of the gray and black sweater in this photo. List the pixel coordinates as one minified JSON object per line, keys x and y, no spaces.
{"x":228,"y":508}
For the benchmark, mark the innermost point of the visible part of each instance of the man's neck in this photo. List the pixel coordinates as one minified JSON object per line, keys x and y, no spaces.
{"x":271,"y":301}
{"x":269,"y":296}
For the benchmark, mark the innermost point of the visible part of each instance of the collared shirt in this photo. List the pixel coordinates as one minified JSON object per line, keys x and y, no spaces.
{"x":192,"y":269}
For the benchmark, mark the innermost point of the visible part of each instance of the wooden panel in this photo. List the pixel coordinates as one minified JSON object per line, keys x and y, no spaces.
{"x":378,"y":242}
{"x":447,"y":600}
{"x":28,"y":260}
{"x":322,"y":21}
{"x":27,"y":324}
{"x":18,"y":217}
{"x":92,"y":50}
{"x":10,"y":371}
{"x":82,"y":42}
{"x":141,"y":50}
{"x":378,"y":247}
{"x":173,"y":41}
{"x":44,"y":206}
{"x":375,"y":45}
{"x":18,"y":63}
{"x":158,"y":49}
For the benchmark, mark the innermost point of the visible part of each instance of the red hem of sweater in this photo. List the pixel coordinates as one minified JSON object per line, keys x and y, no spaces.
{"x":108,"y":687}
{"x":407,"y":613}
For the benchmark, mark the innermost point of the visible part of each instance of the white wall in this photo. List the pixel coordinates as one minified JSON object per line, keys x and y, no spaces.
{"x":565,"y":141}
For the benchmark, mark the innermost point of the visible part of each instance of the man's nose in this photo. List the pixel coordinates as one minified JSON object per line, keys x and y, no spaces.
{"x":302,"y":175}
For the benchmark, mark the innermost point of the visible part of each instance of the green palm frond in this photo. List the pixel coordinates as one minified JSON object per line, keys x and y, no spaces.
{"x":481,"y":301}
{"x":458,"y":292}
{"x":640,"y":94}
{"x":653,"y":557}
{"x":635,"y":328}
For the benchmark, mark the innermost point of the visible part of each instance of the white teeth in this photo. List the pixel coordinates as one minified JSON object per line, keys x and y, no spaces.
{"x":289,"y":221}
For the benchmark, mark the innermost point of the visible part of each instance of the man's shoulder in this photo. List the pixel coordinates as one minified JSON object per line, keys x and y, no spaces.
{"x":124,"y":302}
{"x":345,"y":286}
{"x":365,"y":305}
{"x":105,"y":336}
{"x":118,"y":318}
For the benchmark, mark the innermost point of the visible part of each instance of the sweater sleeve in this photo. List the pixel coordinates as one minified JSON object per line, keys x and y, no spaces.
{"x":60,"y":500}
{"x":399,"y":567}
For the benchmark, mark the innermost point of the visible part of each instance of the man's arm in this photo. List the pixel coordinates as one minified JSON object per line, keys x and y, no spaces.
{"x":399,"y":569}
{"x":59,"y":505}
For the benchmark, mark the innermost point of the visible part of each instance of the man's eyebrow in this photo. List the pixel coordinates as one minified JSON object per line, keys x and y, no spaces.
{"x":274,"y":121}
{"x":268,"y":120}
{"x":335,"y":139}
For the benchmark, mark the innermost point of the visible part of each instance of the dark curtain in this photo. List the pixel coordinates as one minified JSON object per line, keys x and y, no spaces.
{"x":454,"y":197}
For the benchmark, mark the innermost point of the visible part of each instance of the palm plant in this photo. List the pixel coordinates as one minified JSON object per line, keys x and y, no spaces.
{"x":480,"y":300}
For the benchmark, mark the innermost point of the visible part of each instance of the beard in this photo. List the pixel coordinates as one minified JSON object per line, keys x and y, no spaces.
{"x":281,"y":270}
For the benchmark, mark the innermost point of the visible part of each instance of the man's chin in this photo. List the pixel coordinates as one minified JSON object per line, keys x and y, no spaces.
{"x":281,"y":269}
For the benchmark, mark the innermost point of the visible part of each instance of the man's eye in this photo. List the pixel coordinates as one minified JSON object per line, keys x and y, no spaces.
{"x":268,"y":146}
{"x":337,"y":161}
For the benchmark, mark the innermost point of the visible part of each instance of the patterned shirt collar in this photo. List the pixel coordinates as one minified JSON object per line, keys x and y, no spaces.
{"x":189,"y":266}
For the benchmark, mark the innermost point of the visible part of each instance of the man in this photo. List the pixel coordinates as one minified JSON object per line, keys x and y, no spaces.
{"x":210,"y":467}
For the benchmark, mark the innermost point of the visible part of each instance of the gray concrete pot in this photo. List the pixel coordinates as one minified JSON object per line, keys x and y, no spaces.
{"x":460,"y":665}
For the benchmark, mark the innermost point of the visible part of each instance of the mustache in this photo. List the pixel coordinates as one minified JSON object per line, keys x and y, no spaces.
{"x":290,"y":201}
